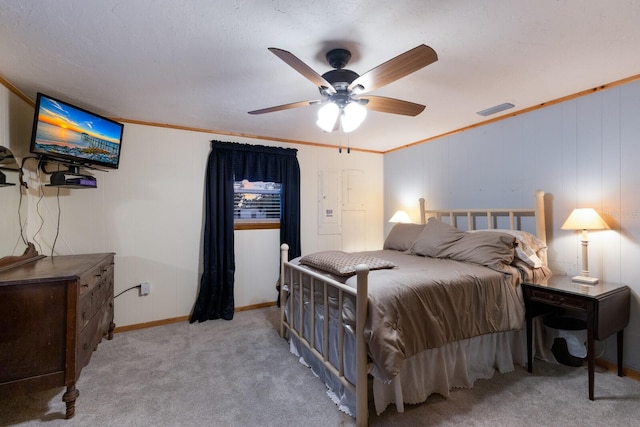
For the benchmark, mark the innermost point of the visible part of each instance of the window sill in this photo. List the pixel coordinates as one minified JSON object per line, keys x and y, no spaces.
{"x":256,"y":226}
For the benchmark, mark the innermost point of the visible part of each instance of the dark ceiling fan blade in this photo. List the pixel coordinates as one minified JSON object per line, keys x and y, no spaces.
{"x":396,"y":68}
{"x":284,"y":107}
{"x":302,"y":68}
{"x":392,"y":105}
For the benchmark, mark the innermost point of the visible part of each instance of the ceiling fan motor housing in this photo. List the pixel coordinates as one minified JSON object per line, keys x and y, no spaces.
{"x":340,"y":79}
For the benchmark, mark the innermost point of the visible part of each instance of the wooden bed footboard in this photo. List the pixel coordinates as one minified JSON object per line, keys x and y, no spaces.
{"x":292,"y":300}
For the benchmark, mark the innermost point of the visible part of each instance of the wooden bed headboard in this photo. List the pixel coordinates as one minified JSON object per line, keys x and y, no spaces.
{"x":491,"y":215}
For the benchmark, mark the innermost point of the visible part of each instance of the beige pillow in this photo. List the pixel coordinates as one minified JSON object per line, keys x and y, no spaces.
{"x":440,"y":240}
{"x":343,"y":263}
{"x":436,"y":238}
{"x":491,"y":249}
{"x":528,"y":246}
{"x":402,"y":236}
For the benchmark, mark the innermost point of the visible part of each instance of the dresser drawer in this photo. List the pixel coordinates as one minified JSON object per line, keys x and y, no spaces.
{"x":87,"y":343}
{"x":89,"y":280}
{"x":560,"y":300}
{"x":95,"y":295}
{"x":93,"y":333}
{"x":103,"y":290}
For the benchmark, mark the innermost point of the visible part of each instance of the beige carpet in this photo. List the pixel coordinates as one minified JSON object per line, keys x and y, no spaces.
{"x":240,"y":373}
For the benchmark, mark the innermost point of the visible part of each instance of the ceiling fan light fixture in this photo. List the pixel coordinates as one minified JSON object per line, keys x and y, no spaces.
{"x":352,"y":116}
{"x":327,"y":116}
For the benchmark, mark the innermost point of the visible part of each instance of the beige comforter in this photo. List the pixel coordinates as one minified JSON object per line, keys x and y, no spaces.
{"x":426,"y":302}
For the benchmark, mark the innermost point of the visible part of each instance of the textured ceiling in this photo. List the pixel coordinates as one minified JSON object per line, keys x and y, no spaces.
{"x":204,"y":64}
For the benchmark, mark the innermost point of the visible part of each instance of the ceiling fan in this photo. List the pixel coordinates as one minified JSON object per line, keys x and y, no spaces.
{"x":341,"y":89}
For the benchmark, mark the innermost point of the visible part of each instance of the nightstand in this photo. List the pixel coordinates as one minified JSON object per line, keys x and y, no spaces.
{"x":605,"y":306}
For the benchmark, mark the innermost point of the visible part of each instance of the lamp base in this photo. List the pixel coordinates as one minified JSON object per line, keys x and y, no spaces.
{"x":585,"y":279}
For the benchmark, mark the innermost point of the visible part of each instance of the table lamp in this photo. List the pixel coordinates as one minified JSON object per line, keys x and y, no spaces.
{"x":400,"y":216}
{"x":584,"y":219}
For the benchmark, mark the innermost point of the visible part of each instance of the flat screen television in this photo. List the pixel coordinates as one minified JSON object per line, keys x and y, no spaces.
{"x":74,"y":136}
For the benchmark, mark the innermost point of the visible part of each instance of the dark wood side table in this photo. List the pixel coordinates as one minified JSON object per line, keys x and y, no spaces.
{"x":605,"y":305}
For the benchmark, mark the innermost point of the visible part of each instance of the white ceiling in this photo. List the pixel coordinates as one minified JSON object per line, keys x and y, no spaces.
{"x":204,"y":64}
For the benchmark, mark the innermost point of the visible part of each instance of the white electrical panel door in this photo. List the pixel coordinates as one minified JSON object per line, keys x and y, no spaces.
{"x":329,"y":202}
{"x":354,"y":188}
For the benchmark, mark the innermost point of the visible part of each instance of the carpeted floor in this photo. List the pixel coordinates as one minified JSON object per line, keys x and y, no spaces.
{"x":240,"y":373}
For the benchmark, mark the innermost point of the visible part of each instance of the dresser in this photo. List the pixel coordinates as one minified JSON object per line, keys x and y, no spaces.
{"x":53,"y":313}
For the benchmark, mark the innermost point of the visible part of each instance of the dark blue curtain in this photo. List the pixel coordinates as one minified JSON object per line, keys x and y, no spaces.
{"x":229,"y":162}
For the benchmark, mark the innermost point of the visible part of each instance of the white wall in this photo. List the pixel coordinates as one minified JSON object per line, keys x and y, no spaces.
{"x":150,"y":213}
{"x":583,"y":152}
{"x":15,"y":131}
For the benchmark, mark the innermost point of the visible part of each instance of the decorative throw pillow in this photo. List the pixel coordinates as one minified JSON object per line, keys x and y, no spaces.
{"x":343,"y":263}
{"x":402,"y":236}
{"x":526,"y":254}
{"x":436,"y":238}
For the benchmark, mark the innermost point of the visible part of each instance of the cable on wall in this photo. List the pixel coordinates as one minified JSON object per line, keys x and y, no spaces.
{"x":53,"y":245}
{"x":22,"y":184}
{"x":133,"y":287}
{"x":41,"y":193}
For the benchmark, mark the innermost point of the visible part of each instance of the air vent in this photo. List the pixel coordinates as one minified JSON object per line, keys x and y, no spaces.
{"x":496,"y":109}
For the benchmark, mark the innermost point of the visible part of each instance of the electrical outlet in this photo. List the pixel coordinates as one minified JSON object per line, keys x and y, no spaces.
{"x":145,"y":288}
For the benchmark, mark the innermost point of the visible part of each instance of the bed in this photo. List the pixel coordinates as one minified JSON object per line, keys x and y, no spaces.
{"x":437,"y":308}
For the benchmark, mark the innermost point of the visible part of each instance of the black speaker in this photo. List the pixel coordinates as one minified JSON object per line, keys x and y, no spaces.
{"x":58,"y":178}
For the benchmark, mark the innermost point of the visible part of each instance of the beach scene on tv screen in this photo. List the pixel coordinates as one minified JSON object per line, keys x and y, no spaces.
{"x":69,"y":132}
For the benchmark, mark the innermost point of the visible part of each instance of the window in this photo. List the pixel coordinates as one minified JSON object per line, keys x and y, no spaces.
{"x":256,"y":204}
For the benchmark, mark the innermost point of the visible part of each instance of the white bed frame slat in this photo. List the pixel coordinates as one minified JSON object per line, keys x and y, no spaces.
{"x":359,"y":389}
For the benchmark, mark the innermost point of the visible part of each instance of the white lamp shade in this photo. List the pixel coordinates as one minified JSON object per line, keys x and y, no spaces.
{"x":584,"y":219}
{"x":327,"y":116}
{"x":352,"y":116}
{"x":400,"y":216}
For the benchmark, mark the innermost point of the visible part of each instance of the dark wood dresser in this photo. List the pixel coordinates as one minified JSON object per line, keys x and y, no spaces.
{"x":53,"y":313}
